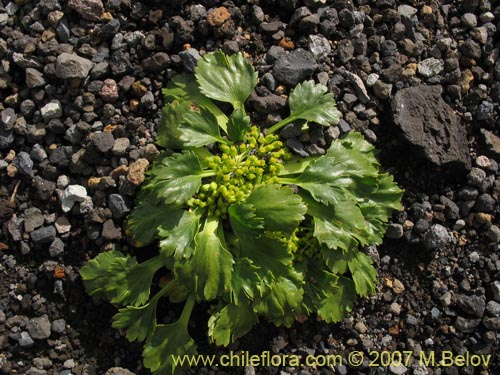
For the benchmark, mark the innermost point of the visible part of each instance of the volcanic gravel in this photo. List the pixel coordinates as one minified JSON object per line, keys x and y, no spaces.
{"x":80,"y":100}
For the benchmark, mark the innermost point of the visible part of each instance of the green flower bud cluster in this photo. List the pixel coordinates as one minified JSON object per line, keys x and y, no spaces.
{"x":300,"y":243}
{"x":238,"y":169}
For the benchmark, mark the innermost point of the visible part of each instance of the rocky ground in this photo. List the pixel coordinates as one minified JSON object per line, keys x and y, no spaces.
{"x":80,"y":96}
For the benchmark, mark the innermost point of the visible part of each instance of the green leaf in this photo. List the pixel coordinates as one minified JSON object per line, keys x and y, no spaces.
{"x":96,"y":275}
{"x":244,"y":280}
{"x":177,"y":242}
{"x":208,"y":271}
{"x":281,"y":209}
{"x":130,"y":282}
{"x":359,"y":265}
{"x":229,"y":79}
{"x":311,"y":102}
{"x":320,"y":287}
{"x":338,"y":304}
{"x":176,"y":178}
{"x":280,"y":299}
{"x":199,"y":128}
{"x":119,"y":278}
{"x":244,"y":220}
{"x":363,"y":274}
{"x":339,"y":227}
{"x":168,"y":343}
{"x":184,"y":88}
{"x":168,"y":132}
{"x":238,"y":125}
{"x":279,"y":290}
{"x":138,"y":321}
{"x":148,"y":215}
{"x":230,"y":323}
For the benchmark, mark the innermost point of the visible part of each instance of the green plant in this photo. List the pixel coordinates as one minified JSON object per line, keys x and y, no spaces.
{"x":240,"y":222}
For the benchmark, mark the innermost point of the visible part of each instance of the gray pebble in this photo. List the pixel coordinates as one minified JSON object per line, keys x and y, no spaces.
{"x":472,"y":305}
{"x":39,"y":328}
{"x":294,"y":67}
{"x":58,"y":326}
{"x":51,"y":110}
{"x":25,"y":340}
{"x":394,"y":231}
{"x":493,"y":234}
{"x":437,"y":237}
{"x":495,"y":290}
{"x":189,"y":58}
{"x":297,"y":147}
{"x":493,"y":308}
{"x":485,"y":203}
{"x":103,"y":141}
{"x":118,"y":206}
{"x":24,"y":164}
{"x":56,"y":248}
{"x":43,"y":235}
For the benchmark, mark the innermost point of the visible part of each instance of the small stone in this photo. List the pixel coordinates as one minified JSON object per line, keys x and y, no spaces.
{"x":70,"y":65}
{"x":297,"y":147}
{"x":398,"y":369}
{"x":294,"y":67}
{"x":487,"y":17}
{"x":33,"y":219}
{"x":43,"y":235}
{"x":110,"y":231}
{"x":34,"y":78}
{"x":189,"y":58}
{"x":372,"y":79}
{"x":109,"y":91}
{"x":469,"y":20}
{"x":493,"y":234}
{"x":118,"y":371}
{"x":485,"y":203}
{"x":136,"y":171}
{"x":437,"y":237}
{"x":395,"y":308}
{"x":397,"y":286}
{"x":218,"y":16}
{"x":62,"y":225}
{"x":39,"y":328}
{"x":56,"y":248}
{"x":382,"y":90}
{"x":58,"y":326}
{"x":495,"y":290}
{"x":25,"y":340}
{"x":359,"y":87}
{"x":156,"y":63}
{"x":361,"y":327}
{"x":493,"y":308}
{"x":8,"y":119}
{"x":319,"y":47}
{"x":476,"y":177}
{"x":394,"y":231}
{"x":120,"y":146}
{"x":24,"y":164}
{"x":118,"y":206}
{"x":72,"y":194}
{"x":407,"y":11}
{"x":89,"y":9}
{"x":459,"y":225}
{"x":103,"y":141}
{"x":430,"y":67}
{"x":467,"y":325}
{"x":446,"y":299}
{"x":472,"y":305}
{"x":51,"y":110}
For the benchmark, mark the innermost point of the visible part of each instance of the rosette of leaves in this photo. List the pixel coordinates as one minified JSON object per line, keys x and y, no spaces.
{"x":240,"y":223}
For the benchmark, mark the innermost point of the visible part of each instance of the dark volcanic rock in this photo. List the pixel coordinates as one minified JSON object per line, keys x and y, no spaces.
{"x":294,"y":67}
{"x":430,"y":124}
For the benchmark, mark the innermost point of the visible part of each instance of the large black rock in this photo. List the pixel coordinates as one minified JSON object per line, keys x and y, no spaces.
{"x":432,"y":126}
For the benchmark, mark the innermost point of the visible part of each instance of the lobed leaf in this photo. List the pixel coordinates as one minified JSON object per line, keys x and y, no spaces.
{"x":208,"y":271}
{"x":176,"y":178}
{"x":148,"y":215}
{"x":199,"y":128}
{"x":184,"y":88}
{"x":230,"y":323}
{"x":238,"y":125}
{"x":312,"y":102}
{"x":168,"y":343}
{"x":339,"y":303}
{"x":178,"y":241}
{"x":229,"y":79}
{"x":139,"y":322}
